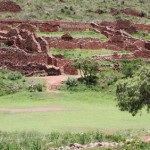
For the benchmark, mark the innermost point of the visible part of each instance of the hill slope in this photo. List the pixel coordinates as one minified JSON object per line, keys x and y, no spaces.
{"x":80,"y":10}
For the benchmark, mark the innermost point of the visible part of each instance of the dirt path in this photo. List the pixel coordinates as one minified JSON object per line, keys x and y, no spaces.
{"x":34,"y":109}
{"x":54,"y":82}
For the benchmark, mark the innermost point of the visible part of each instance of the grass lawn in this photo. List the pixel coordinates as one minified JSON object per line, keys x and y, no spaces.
{"x":142,"y":35}
{"x":90,"y":111}
{"x":75,"y":34}
{"x":71,"y":54}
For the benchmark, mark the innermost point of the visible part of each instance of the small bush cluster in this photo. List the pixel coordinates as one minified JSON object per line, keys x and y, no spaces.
{"x":71,"y":82}
{"x":12,"y":82}
{"x":8,"y":87}
{"x":14,"y":76}
{"x":129,"y":67}
{"x":36,"y":88}
{"x":9,"y":82}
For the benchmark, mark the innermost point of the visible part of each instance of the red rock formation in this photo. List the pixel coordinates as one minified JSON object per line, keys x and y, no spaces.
{"x":9,"y":6}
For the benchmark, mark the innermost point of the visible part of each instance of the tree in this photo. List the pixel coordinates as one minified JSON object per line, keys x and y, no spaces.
{"x":129,"y":67}
{"x":88,"y":68}
{"x":134,"y":93}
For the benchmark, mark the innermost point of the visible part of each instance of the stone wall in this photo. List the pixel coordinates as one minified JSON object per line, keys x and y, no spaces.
{"x":30,"y":55}
{"x":20,"y":57}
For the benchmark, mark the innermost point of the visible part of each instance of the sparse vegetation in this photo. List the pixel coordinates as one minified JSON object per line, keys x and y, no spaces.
{"x":12,"y":82}
{"x":35,"y":140}
{"x":78,"y":10}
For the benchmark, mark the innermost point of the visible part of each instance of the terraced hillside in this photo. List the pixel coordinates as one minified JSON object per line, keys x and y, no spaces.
{"x":83,"y":10}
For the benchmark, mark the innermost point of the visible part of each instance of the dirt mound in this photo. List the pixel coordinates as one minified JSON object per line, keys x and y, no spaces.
{"x":9,"y":6}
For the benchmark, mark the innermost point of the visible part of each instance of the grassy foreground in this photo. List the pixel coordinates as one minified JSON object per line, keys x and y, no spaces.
{"x":88,"y":111}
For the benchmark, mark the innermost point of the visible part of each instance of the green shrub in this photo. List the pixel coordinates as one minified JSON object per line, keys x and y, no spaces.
{"x":14,"y":75}
{"x":36,"y":87}
{"x":129,"y":67}
{"x":71,"y":82}
{"x":8,"y":87}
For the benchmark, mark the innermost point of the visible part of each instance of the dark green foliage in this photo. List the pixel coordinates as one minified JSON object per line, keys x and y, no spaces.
{"x":134,"y":93}
{"x":14,"y":75}
{"x":109,"y":77}
{"x":88,"y":68}
{"x":9,"y":82}
{"x":129,"y":67}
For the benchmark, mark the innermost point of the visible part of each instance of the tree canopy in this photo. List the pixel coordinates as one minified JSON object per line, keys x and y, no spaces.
{"x":134,"y":93}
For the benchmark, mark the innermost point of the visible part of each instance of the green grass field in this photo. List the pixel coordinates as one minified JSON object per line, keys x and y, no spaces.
{"x":75,"y":34}
{"x":71,"y":54}
{"x":89,"y":111}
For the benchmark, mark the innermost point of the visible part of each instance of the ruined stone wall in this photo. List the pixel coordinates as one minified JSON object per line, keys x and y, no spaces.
{"x":54,"y":26}
{"x":20,"y":57}
{"x":48,"y":26}
{"x":142,"y":27}
{"x":66,"y":66}
{"x":82,"y":43}
{"x":142,"y":54}
{"x":30,"y":55}
{"x":74,"y":26}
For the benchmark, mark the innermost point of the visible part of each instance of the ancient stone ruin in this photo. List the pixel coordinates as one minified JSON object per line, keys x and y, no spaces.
{"x":29,"y":54}
{"x":22,"y":50}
